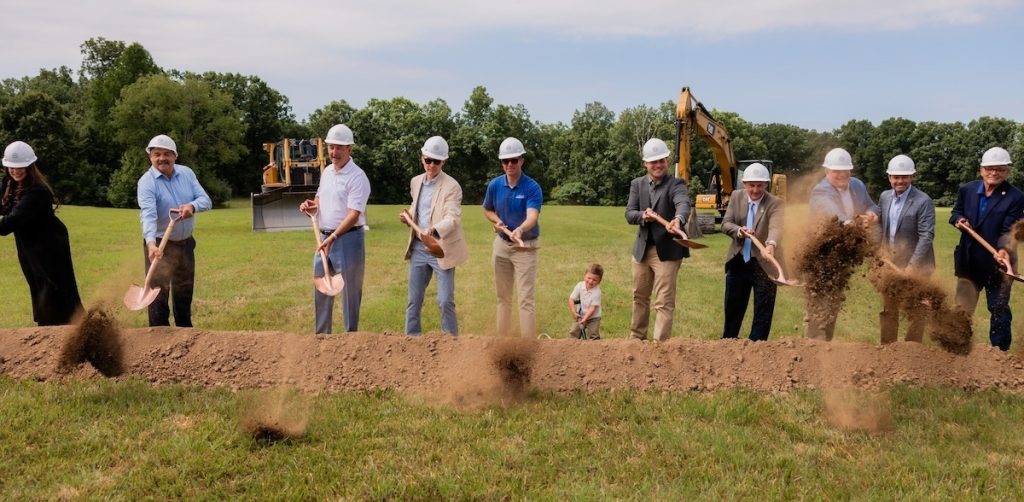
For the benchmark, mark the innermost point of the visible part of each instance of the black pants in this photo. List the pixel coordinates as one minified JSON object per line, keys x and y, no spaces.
{"x":175,"y":276}
{"x":740,"y":279}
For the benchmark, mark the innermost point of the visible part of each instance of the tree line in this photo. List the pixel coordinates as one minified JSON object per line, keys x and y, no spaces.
{"x":89,"y":128}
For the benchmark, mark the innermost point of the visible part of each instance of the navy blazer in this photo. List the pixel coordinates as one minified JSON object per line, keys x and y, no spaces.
{"x":1006,"y":205}
{"x":671,"y":200}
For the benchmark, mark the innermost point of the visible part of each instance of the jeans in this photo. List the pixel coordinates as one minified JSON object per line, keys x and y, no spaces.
{"x":997,"y":294}
{"x":421,"y":267}
{"x":347,"y":256}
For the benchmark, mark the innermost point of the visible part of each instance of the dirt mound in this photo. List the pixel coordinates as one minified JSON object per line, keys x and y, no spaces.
{"x":96,"y":340}
{"x":467,"y":368}
{"x":949,"y":325}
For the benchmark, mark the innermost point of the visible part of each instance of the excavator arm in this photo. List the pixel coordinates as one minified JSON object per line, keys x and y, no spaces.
{"x":693,"y":119}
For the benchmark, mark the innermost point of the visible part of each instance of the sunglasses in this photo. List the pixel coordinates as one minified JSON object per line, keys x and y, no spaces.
{"x":431,"y":161}
{"x":511,"y":161}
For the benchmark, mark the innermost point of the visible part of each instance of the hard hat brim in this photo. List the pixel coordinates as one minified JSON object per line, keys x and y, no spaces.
{"x":993,"y":164}
{"x":336,"y":142}
{"x":900,"y":173}
{"x":20,"y":165}
{"x":656,"y":157}
{"x":432,"y":155}
{"x":837,"y":168}
{"x":504,"y":156}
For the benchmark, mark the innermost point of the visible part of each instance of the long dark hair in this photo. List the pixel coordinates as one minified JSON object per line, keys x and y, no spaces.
{"x":13,"y":190}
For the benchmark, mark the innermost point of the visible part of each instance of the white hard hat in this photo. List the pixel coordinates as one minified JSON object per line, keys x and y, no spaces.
{"x":340,"y":135}
{"x":901,"y":165}
{"x":19,"y":154}
{"x":511,"y":148}
{"x":655,"y":149}
{"x":995,"y":156}
{"x":838,"y":159}
{"x":436,"y":148}
{"x":162,"y":141}
{"x":756,"y":172}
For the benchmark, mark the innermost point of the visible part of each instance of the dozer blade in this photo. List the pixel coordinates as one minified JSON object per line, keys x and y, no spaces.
{"x":278,"y":209}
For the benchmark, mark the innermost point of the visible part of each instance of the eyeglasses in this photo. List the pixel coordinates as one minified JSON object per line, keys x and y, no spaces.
{"x":431,"y":161}
{"x":996,"y":169}
{"x":511,"y":161}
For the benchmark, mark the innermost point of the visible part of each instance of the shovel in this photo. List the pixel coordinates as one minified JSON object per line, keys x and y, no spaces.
{"x":682,"y":240}
{"x":781,"y":280}
{"x":433,"y":247}
{"x":139,"y":297}
{"x":331,"y":283}
{"x":511,"y":235}
{"x":995,"y":254}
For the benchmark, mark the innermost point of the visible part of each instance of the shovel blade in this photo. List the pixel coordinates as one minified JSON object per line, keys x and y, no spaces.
{"x":782,"y":281}
{"x":1016,"y":277}
{"x":689,"y":243}
{"x":138,"y":297}
{"x":330,"y":285}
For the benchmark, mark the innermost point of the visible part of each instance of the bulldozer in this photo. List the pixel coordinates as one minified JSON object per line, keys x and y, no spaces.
{"x":693,"y":119}
{"x":291,"y":176}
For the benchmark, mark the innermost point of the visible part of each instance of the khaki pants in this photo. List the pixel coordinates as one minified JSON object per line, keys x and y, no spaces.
{"x":518,"y":267}
{"x":889,"y":320}
{"x":659,"y":277}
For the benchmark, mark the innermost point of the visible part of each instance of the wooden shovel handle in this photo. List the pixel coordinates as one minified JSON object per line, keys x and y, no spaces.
{"x":664,"y":223}
{"x":162,"y":246}
{"x":995,"y":254}
{"x":764,"y":253}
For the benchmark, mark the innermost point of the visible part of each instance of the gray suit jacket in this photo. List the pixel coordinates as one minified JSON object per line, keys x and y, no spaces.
{"x":827,"y":202}
{"x":915,"y":229}
{"x":767,"y":226}
{"x":671,"y":200}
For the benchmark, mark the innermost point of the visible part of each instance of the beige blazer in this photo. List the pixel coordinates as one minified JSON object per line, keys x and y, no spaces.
{"x":767,"y":226}
{"x":445,"y":219}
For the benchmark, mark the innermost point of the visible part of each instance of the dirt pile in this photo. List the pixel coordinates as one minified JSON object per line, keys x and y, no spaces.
{"x":96,"y":339}
{"x":826,"y":262}
{"x":467,"y":367}
{"x":948,"y":324}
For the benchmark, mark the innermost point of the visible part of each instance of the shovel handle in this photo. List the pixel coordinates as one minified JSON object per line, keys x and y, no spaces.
{"x":163,"y":244}
{"x":412,"y":222}
{"x":764,"y":253}
{"x":995,"y":254}
{"x":664,"y":223}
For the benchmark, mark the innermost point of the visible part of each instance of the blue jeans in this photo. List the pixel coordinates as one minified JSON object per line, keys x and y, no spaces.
{"x":997,"y":296}
{"x":347,"y":256}
{"x":421,"y":266}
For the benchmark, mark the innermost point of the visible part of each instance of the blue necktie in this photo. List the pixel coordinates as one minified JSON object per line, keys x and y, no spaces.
{"x":750,"y":226}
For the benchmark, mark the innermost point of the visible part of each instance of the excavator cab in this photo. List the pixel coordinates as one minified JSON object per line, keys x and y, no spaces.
{"x":291,"y":176}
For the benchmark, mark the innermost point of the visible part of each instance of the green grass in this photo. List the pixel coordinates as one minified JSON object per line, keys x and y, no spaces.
{"x":262,"y":281}
{"x":126,"y":439}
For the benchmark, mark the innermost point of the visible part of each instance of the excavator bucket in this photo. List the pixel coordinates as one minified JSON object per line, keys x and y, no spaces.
{"x":278,"y":210}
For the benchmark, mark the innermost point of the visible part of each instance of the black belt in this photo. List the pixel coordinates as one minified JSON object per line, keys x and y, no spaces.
{"x":329,"y":232}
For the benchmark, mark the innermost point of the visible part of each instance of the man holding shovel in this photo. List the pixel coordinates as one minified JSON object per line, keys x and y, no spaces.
{"x":512,"y":203}
{"x":656,"y":256}
{"x":908,"y":229}
{"x":340,"y":204}
{"x":989,"y":206}
{"x":751,"y":210}
{"x":164,"y":189}
{"x":436,"y":216}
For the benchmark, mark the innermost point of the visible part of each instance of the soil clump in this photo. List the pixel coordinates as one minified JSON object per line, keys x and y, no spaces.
{"x":96,"y":339}
{"x":280,"y":414}
{"x":826,"y":262}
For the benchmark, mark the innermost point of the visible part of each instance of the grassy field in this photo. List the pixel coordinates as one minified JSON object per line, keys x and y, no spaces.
{"x":129,"y":440}
{"x":262,"y":281}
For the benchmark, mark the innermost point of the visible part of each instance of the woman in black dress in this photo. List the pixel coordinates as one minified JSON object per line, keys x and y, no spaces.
{"x":27,"y":207}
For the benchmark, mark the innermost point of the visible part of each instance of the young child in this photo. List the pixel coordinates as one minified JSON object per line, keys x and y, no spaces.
{"x":585,"y":305}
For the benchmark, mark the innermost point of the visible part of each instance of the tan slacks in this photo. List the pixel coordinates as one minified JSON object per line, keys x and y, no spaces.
{"x":659,"y":277}
{"x":515,"y":267}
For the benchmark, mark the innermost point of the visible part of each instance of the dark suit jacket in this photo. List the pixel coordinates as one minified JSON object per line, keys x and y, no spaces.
{"x":1005,"y":207}
{"x":671,"y":200}
{"x":767,"y":226}
{"x":915,"y":229}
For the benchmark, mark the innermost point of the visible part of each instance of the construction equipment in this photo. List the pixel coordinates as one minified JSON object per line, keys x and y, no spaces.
{"x":291,"y":176}
{"x":693,"y":119}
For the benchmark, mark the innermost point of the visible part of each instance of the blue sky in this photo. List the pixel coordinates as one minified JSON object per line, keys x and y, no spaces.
{"x":812,"y":63}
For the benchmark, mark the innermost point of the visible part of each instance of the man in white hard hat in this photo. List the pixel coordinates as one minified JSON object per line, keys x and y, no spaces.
{"x":752,"y":211}
{"x":168,"y":190}
{"x":512,"y":203}
{"x":908,"y":230}
{"x":990,"y":206}
{"x":437,"y":211}
{"x":340,"y":204}
{"x":837,"y":195}
{"x":656,"y":257}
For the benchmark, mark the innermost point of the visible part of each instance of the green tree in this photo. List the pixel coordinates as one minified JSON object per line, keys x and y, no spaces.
{"x":941,"y":156}
{"x":203,"y":122}
{"x":322,"y":119}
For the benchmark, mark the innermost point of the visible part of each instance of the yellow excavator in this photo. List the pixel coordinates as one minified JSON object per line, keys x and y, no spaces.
{"x":291,"y":176}
{"x":692,"y":119}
